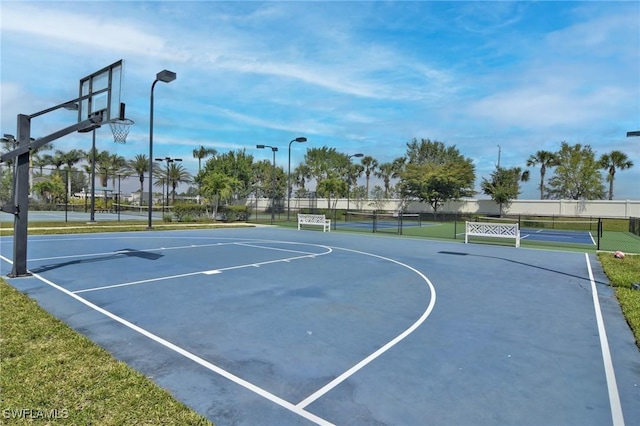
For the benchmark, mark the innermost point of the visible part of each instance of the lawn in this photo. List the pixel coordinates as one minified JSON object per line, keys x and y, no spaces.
{"x":623,"y":273}
{"x":52,"y":374}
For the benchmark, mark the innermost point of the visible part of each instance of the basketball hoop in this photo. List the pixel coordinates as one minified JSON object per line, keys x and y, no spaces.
{"x":120,"y":129}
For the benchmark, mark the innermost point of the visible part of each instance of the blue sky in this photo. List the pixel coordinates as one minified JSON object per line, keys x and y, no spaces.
{"x":492,"y":78}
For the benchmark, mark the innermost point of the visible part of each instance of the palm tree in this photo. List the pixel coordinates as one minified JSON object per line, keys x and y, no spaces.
{"x":385,"y":172}
{"x":176,"y":174}
{"x":58,"y":159}
{"x":370,"y":164}
{"x":301,"y":174}
{"x":218,"y":187}
{"x":332,"y":186}
{"x":9,"y":143}
{"x":71,"y":158}
{"x":545,"y":159}
{"x":203,"y":152}
{"x":41,"y":161}
{"x":139,"y":166}
{"x":612,"y":161}
{"x":117,"y":165}
{"x":353,"y":173}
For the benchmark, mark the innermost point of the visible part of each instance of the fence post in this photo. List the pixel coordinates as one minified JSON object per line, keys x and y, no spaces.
{"x":455,"y":226}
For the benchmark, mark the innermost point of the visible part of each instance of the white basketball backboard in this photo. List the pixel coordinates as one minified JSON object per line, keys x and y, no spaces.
{"x":101,"y":91}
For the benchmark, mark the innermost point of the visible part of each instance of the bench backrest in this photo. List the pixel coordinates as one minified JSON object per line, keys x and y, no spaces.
{"x":312,"y":218}
{"x":500,"y":230}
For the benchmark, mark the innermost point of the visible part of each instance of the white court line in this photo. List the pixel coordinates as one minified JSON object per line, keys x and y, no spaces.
{"x":350,"y":372}
{"x":124,"y":251}
{"x":211,"y":271}
{"x":206,"y":364}
{"x":612,"y":386}
{"x":275,"y":248}
{"x":150,"y":280}
{"x":295,"y":408}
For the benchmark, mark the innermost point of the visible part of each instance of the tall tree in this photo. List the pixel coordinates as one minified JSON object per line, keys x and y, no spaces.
{"x":332,"y":187}
{"x":504,"y":185}
{"x":9,"y":143}
{"x":301,"y":174}
{"x":354,"y":171}
{"x":370,"y":164}
{"x":117,"y":167}
{"x":50,"y":190}
{"x":236,"y":164}
{"x":263,"y":180}
{"x":176,"y":174}
{"x":41,"y":161}
{"x":385,"y":172}
{"x":615,"y":160}
{"x":577,"y":175}
{"x":325,"y":162}
{"x":70,"y":159}
{"x":436,"y":173}
{"x":545,"y":159}
{"x":203,"y":152}
{"x":58,"y":159}
{"x":138,"y":166}
{"x":218,"y":187}
{"x":437,"y":183}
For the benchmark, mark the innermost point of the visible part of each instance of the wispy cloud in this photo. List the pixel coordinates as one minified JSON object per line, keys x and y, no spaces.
{"x":365,"y":76}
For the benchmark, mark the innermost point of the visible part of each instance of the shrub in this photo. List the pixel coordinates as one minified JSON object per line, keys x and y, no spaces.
{"x":187,"y":218}
{"x":234,"y":213}
{"x":184,"y":210}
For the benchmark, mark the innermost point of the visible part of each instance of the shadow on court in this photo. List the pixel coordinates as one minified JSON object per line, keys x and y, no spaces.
{"x":103,"y":258}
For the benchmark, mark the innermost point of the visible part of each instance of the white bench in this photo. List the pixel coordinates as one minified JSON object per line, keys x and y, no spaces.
{"x":492,"y":230}
{"x":314,"y":219}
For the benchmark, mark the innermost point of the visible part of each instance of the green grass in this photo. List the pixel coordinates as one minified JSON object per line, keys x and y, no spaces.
{"x":623,"y":273}
{"x":53,"y":371}
{"x":44,"y":228}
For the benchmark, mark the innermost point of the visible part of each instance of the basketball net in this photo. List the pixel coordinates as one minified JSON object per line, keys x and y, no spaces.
{"x":120,"y":129}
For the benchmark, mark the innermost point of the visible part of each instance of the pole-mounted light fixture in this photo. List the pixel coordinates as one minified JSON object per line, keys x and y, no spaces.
{"x":274,"y":149}
{"x":164,"y":76}
{"x":300,"y":139}
{"x":349,"y":157}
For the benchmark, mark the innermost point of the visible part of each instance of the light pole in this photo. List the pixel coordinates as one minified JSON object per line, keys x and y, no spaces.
{"x":168,"y":160}
{"x":358,"y":155}
{"x":300,"y":139}
{"x":273,"y":187}
{"x":164,"y":76}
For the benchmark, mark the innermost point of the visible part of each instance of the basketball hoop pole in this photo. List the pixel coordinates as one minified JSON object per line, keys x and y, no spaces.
{"x":20,"y":208}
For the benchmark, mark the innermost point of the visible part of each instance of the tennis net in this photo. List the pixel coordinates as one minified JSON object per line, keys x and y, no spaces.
{"x":381,"y":222}
{"x":552,"y":227}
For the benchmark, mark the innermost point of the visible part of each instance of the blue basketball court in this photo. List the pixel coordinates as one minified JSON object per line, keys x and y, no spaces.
{"x":278,"y":326}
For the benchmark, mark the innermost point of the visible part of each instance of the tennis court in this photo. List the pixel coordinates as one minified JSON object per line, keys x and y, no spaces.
{"x":380,"y":222}
{"x":81,"y":216}
{"x":278,"y":326}
{"x":560,"y":231}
